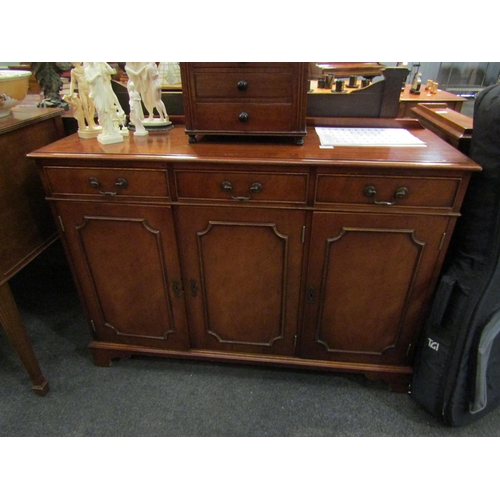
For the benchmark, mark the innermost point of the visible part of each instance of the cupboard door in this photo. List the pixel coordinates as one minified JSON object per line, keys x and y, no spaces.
{"x":368,"y":283}
{"x":125,"y":259}
{"x":241,"y":270}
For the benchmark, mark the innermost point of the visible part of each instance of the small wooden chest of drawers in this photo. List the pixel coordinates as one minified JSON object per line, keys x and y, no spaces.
{"x":245,"y":99}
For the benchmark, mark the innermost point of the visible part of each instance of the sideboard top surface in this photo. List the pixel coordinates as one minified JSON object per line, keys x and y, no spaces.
{"x":33,"y":115}
{"x":174,"y":146}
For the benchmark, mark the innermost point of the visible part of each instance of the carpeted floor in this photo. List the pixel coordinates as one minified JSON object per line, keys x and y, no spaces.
{"x":160,"y":397}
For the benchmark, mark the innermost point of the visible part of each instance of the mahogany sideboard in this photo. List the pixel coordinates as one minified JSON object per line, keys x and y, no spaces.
{"x":254,"y":250}
{"x":27,"y":226}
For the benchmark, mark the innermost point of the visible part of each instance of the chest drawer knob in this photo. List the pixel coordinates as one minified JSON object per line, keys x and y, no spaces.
{"x":242,"y":85}
{"x":371,"y":192}
{"x":243,"y":117}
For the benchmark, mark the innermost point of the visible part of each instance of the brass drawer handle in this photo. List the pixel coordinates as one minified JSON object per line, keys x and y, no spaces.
{"x":120,"y":183}
{"x":227,"y":187}
{"x":256,"y":187}
{"x":371,"y":192}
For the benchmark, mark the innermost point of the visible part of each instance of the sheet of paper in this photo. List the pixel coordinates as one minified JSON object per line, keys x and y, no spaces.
{"x":346,"y":136}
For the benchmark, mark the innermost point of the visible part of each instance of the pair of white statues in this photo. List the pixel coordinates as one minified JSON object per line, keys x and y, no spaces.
{"x":145,"y":80}
{"x":96,"y":94}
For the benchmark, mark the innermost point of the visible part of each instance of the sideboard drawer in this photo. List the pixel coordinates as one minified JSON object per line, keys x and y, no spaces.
{"x":120,"y":183}
{"x":428,"y":192}
{"x":241,"y":85}
{"x":245,"y":186}
{"x":244,"y":117}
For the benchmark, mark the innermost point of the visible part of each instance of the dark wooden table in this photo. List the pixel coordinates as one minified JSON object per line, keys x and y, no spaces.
{"x":27,"y":226}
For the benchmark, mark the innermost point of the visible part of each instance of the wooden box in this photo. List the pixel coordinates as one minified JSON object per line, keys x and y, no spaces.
{"x":260,"y":99}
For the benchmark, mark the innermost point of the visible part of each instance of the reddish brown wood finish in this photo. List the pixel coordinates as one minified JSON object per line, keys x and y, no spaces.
{"x":409,"y":101}
{"x":370,"y":277}
{"x":346,"y":69}
{"x":305,"y":271}
{"x":245,"y":98}
{"x":452,"y":126}
{"x":245,"y":265}
{"x":13,"y":325}
{"x":27,"y":227}
{"x":127,"y":265}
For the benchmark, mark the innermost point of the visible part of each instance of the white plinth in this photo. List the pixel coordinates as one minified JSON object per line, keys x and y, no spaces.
{"x":110,"y":139}
{"x":89,"y":133}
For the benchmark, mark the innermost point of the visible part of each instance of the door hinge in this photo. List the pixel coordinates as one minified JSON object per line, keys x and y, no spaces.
{"x":303,"y":234}
{"x":295,"y":341}
{"x":61,"y":222}
{"x":193,"y":285}
{"x":177,"y":287}
{"x":408,"y":350}
{"x":311,"y":295}
{"x":442,"y":241}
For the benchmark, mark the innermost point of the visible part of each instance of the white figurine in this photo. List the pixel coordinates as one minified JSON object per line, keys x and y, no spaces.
{"x":76,"y":105}
{"x":152,"y":97}
{"x":110,"y":113}
{"x":82,"y":103}
{"x":146,"y":79}
{"x":134,"y":72}
{"x":136,"y":114}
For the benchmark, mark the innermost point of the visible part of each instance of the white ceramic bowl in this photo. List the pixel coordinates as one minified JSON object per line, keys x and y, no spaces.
{"x":13,"y":88}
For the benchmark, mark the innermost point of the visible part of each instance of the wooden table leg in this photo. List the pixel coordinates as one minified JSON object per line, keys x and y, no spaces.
{"x":13,"y":326}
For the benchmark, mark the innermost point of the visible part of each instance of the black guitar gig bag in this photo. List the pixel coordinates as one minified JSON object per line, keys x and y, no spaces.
{"x":457,"y":365}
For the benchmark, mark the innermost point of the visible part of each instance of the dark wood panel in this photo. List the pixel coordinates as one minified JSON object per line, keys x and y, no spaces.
{"x":129,"y":271}
{"x":118,"y":183}
{"x":223,"y":185}
{"x":270,"y":66}
{"x":272,"y":100}
{"x":225,"y":118}
{"x":439,"y":193}
{"x":246,"y":266}
{"x":26,"y":223}
{"x":371,"y":277}
{"x":243,"y":86}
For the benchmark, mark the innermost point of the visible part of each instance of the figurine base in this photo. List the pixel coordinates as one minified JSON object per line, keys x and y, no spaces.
{"x":141,"y":132}
{"x":110,"y":139}
{"x":155,"y":125}
{"x":89,"y":133}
